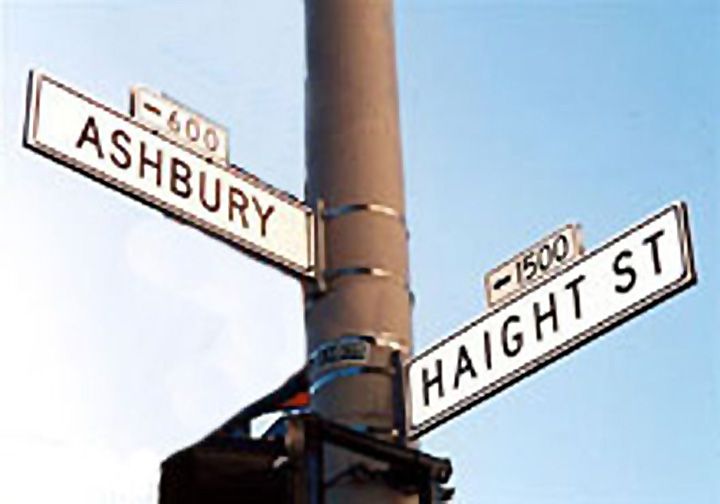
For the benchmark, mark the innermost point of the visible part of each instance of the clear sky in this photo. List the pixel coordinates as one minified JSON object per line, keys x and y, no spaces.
{"x":126,"y":336}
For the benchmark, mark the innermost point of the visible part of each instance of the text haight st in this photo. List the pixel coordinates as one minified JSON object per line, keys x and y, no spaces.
{"x":631,"y":272}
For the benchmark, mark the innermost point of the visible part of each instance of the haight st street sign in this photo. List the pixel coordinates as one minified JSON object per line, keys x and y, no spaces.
{"x":126,"y":155}
{"x":632,"y":272}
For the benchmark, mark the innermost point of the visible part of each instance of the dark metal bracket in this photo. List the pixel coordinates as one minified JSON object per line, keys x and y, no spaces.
{"x":307,"y":435}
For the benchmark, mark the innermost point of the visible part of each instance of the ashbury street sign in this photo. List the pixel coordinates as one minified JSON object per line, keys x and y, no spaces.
{"x":630,"y":273}
{"x":126,"y":155}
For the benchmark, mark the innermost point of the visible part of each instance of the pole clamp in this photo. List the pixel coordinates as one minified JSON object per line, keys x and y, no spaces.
{"x":353,"y":354}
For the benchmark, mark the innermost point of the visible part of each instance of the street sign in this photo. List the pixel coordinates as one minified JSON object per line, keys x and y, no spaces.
{"x":632,"y":272}
{"x":533,"y":264}
{"x":177,"y":122}
{"x":225,"y":202}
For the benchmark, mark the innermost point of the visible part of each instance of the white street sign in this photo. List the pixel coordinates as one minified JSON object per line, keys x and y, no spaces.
{"x":225,"y":202}
{"x":632,"y":272}
{"x":177,"y":122}
{"x":533,"y":264}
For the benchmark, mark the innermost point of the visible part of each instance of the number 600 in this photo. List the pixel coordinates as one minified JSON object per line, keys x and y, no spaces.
{"x":192,"y":131}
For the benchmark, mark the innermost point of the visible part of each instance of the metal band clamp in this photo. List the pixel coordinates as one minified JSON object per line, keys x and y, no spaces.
{"x":333,"y":274}
{"x":379,"y":208}
{"x":346,"y":372}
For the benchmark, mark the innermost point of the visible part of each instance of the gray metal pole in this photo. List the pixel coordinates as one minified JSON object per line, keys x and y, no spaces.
{"x":354,"y":169}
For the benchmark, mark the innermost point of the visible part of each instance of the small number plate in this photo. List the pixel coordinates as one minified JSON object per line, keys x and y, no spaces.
{"x":179,"y":123}
{"x":536,"y":262}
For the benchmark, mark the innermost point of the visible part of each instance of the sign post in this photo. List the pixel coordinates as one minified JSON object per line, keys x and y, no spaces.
{"x":643,"y":266}
{"x":354,"y":165}
{"x":545,"y":303}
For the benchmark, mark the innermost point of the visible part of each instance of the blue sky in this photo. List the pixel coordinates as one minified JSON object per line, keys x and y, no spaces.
{"x":127,"y":336}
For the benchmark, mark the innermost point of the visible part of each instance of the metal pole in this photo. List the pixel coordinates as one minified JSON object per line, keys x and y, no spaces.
{"x":354,"y":168}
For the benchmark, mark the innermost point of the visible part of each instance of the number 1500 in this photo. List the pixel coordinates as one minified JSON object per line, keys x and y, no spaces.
{"x":552,"y":253}
{"x":192,"y":131}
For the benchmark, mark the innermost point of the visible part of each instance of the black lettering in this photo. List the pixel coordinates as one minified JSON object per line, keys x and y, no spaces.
{"x":573,"y":285}
{"x":652,"y":240}
{"x":203,"y":198}
{"x":176,"y":176}
{"x":541,"y":317}
{"x":565,"y":247}
{"x":627,"y":270}
{"x":147,"y":162}
{"x":115,"y":138}
{"x":233,"y":205}
{"x":427,"y":382}
{"x":517,"y":337}
{"x":464,"y":365}
{"x":263,"y":216}
{"x":545,"y":248}
{"x":488,"y":356}
{"x":90,"y":134}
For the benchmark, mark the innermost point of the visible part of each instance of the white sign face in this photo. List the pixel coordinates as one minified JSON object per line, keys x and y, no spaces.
{"x":632,"y":272}
{"x":533,"y":264}
{"x":111,"y":148}
{"x":179,"y":123}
